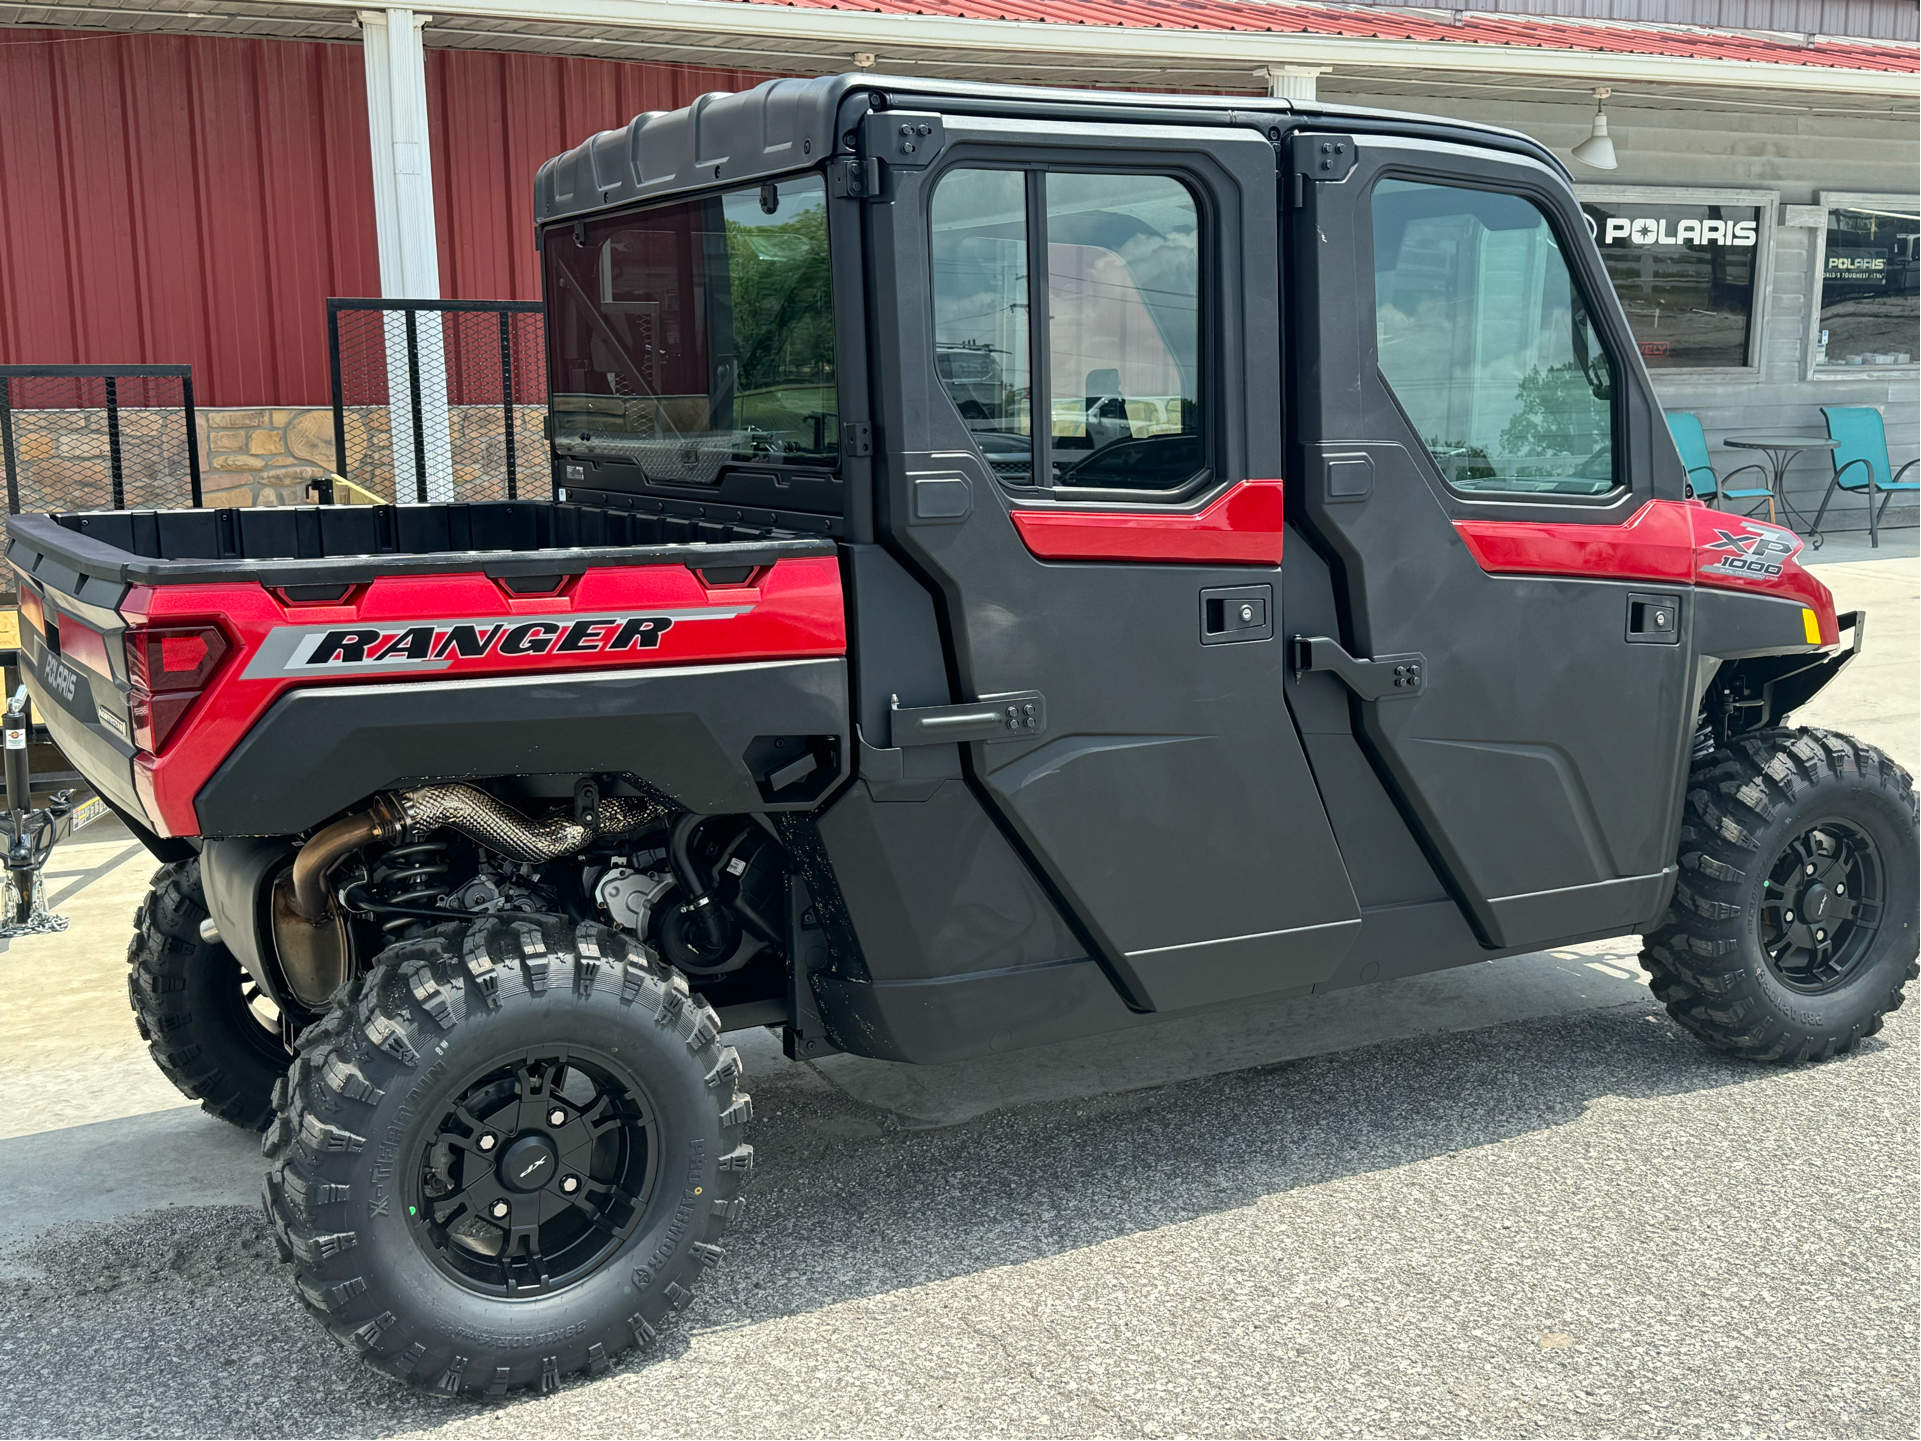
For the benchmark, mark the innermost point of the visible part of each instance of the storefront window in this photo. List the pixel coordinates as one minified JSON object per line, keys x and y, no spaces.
{"x":1870,"y":285}
{"x":1685,"y":276}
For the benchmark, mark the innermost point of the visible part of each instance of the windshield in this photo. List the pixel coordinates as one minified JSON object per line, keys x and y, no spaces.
{"x":693,"y":335}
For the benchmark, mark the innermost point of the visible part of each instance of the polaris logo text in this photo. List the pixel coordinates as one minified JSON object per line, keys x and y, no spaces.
{"x":427,"y":645}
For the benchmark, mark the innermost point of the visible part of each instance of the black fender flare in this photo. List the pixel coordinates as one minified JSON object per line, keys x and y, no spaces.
{"x":705,"y":736}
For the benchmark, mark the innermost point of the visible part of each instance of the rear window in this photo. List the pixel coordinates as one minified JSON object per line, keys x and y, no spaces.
{"x":694,"y":335}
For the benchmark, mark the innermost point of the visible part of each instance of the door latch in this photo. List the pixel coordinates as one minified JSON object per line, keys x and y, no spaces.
{"x":1237,"y":613}
{"x":1653,"y":619}
{"x":1015,"y":715}
{"x":1385,"y":677}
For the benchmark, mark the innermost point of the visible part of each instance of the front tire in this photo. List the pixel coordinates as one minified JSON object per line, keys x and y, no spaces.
{"x":1793,"y":925}
{"x":207,"y":1026}
{"x":505,"y":1156}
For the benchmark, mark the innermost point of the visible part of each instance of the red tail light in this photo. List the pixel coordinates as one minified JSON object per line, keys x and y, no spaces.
{"x":168,"y":667}
{"x":83,"y":645}
{"x":32,"y":609}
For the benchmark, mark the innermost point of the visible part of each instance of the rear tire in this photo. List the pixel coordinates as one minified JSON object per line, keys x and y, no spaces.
{"x":555,"y":1077}
{"x":204,"y":1022}
{"x":1793,"y":925}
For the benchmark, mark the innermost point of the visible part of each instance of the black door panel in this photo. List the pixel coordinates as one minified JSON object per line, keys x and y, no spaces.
{"x":1540,"y":765}
{"x":1168,"y":801}
{"x":1167,"y":804}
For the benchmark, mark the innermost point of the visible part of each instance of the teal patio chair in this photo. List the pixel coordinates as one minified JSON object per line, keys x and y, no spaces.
{"x":1703,"y":483}
{"x":1861,"y":466}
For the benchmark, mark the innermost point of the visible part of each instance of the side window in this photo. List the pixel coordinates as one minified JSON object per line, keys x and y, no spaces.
{"x":1123,"y":331}
{"x":1120,"y":331}
{"x":979,"y":244}
{"x":1486,"y":342}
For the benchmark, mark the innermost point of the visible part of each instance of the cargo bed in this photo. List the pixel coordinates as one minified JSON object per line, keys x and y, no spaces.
{"x":94,"y":555}
{"x":535,"y":620}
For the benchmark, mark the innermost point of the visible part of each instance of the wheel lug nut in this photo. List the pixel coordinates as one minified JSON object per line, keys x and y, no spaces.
{"x":500,"y":1210}
{"x":488,"y":1141}
{"x":1820,"y":935}
{"x":1810,"y":870}
{"x":1840,"y":890}
{"x":570,"y":1185}
{"x":556,"y":1117}
{"x":1789,"y":918}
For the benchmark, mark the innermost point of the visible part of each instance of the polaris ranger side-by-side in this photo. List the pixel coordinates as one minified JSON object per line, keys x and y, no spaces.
{"x":1022,"y":563}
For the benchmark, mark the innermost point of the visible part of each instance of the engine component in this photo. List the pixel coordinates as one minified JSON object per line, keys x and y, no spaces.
{"x":704,"y":942}
{"x":631,"y":898}
{"x":311,"y":935}
{"x":463,"y":808}
{"x":704,"y":931}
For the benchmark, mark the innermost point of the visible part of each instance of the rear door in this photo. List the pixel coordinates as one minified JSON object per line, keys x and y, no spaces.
{"x":1080,"y":447}
{"x":1477,"y":464}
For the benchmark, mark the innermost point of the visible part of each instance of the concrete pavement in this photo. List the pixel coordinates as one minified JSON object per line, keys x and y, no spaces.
{"x":1511,"y":1199}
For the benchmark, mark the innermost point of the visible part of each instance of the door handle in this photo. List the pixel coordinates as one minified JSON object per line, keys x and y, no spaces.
{"x":1385,"y":677}
{"x":1014,"y":715}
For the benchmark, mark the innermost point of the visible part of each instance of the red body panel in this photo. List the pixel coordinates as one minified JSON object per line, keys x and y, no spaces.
{"x":619,"y":616}
{"x":1670,"y":541}
{"x":1242,"y":527}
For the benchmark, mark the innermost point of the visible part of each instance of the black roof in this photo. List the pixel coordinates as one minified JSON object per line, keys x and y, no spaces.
{"x":785,"y":125}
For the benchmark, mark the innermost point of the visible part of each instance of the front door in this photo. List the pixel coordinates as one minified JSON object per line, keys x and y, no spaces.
{"x":1078,"y":370}
{"x":1477,"y":452}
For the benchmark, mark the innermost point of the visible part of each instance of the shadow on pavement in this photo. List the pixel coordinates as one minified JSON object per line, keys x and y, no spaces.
{"x":180,"y":1322}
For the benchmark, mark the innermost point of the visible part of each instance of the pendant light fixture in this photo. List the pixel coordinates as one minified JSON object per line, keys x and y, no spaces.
{"x":1598,"y":150}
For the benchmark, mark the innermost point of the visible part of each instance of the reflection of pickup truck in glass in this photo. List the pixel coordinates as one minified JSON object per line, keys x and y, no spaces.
{"x":973,"y":378}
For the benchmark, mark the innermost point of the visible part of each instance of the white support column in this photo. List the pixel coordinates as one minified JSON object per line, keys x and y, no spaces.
{"x":1292,"y":82}
{"x":396,"y":65}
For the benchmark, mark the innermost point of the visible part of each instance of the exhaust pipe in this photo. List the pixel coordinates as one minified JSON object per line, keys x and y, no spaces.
{"x":310,"y":935}
{"x":464,"y":808}
{"x":330,"y":845}
{"x":502,"y":829}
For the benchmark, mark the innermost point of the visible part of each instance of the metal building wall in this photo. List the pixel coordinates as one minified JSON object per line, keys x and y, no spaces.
{"x":496,"y":117}
{"x":170,"y":198}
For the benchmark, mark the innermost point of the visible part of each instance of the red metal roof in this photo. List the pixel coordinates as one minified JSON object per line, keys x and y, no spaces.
{"x":1539,"y":33}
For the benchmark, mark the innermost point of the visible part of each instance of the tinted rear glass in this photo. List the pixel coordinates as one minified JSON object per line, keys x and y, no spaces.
{"x":692,"y":335}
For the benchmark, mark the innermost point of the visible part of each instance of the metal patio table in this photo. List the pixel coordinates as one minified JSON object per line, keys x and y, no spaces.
{"x":1781,"y":451}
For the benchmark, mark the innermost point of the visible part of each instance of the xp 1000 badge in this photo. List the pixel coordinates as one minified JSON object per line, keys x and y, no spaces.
{"x":433,"y":645}
{"x":1754,"y":548}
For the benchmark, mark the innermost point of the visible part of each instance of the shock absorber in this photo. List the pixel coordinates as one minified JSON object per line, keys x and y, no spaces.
{"x":411,"y":875}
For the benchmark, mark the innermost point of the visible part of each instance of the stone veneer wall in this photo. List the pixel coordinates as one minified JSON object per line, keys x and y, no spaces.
{"x":266,"y":456}
{"x":263,"y":457}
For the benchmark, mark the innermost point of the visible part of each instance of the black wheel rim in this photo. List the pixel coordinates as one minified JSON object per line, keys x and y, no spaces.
{"x":1821,"y":909}
{"x":536,"y":1173}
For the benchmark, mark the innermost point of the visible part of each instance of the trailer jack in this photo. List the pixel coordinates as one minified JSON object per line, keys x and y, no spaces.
{"x":30,"y":836}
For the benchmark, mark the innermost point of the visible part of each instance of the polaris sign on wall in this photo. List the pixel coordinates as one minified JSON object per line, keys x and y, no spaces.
{"x":1685,"y":276}
{"x":1653,"y":230}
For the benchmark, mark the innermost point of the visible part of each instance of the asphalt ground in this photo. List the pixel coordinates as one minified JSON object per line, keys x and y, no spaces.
{"x":1512,"y":1200}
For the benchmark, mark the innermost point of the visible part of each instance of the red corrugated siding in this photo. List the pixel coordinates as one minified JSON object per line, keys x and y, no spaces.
{"x":168,"y":198}
{"x":495,"y":118}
